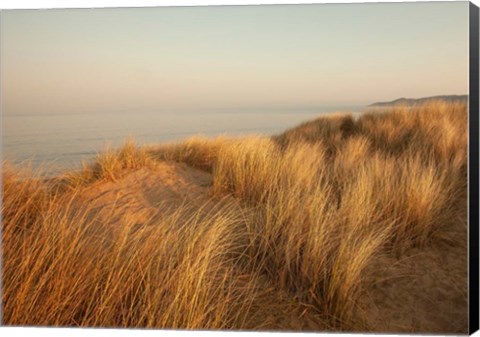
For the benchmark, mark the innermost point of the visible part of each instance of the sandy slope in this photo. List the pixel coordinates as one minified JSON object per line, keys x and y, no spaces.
{"x":137,"y":195}
{"x":421,"y":291}
{"x":424,"y":291}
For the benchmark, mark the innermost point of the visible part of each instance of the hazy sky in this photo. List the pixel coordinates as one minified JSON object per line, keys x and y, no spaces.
{"x":231,"y":56}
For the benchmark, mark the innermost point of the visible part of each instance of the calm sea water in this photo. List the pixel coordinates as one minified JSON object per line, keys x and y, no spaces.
{"x":64,"y":140}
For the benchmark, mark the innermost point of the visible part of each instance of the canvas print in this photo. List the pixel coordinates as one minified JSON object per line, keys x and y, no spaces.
{"x":260,"y":168}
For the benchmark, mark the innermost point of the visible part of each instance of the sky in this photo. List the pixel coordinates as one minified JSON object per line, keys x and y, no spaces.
{"x":284,"y":56}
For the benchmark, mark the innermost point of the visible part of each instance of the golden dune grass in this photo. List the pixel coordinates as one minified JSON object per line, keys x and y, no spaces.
{"x":110,"y":165}
{"x":312,"y":210}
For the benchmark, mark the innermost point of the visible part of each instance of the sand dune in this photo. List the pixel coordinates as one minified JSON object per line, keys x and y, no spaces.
{"x":340,"y":224}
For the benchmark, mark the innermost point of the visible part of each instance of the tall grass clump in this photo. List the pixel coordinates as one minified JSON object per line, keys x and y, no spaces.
{"x":111,"y":164}
{"x":306,"y":241}
{"x":199,"y":152}
{"x":24,"y":197}
{"x":437,"y":131}
{"x":331,"y":130}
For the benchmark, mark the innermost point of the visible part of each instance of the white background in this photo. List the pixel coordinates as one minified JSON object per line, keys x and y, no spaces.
{"x":18,"y":4}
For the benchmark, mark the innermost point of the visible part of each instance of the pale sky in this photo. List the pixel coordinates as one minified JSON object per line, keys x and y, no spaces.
{"x":230,"y":56}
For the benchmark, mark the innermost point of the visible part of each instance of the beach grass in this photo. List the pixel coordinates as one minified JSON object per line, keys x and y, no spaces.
{"x":287,"y":240}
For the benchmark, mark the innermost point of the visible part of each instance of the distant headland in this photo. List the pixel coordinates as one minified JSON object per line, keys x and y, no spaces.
{"x":415,"y":101}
